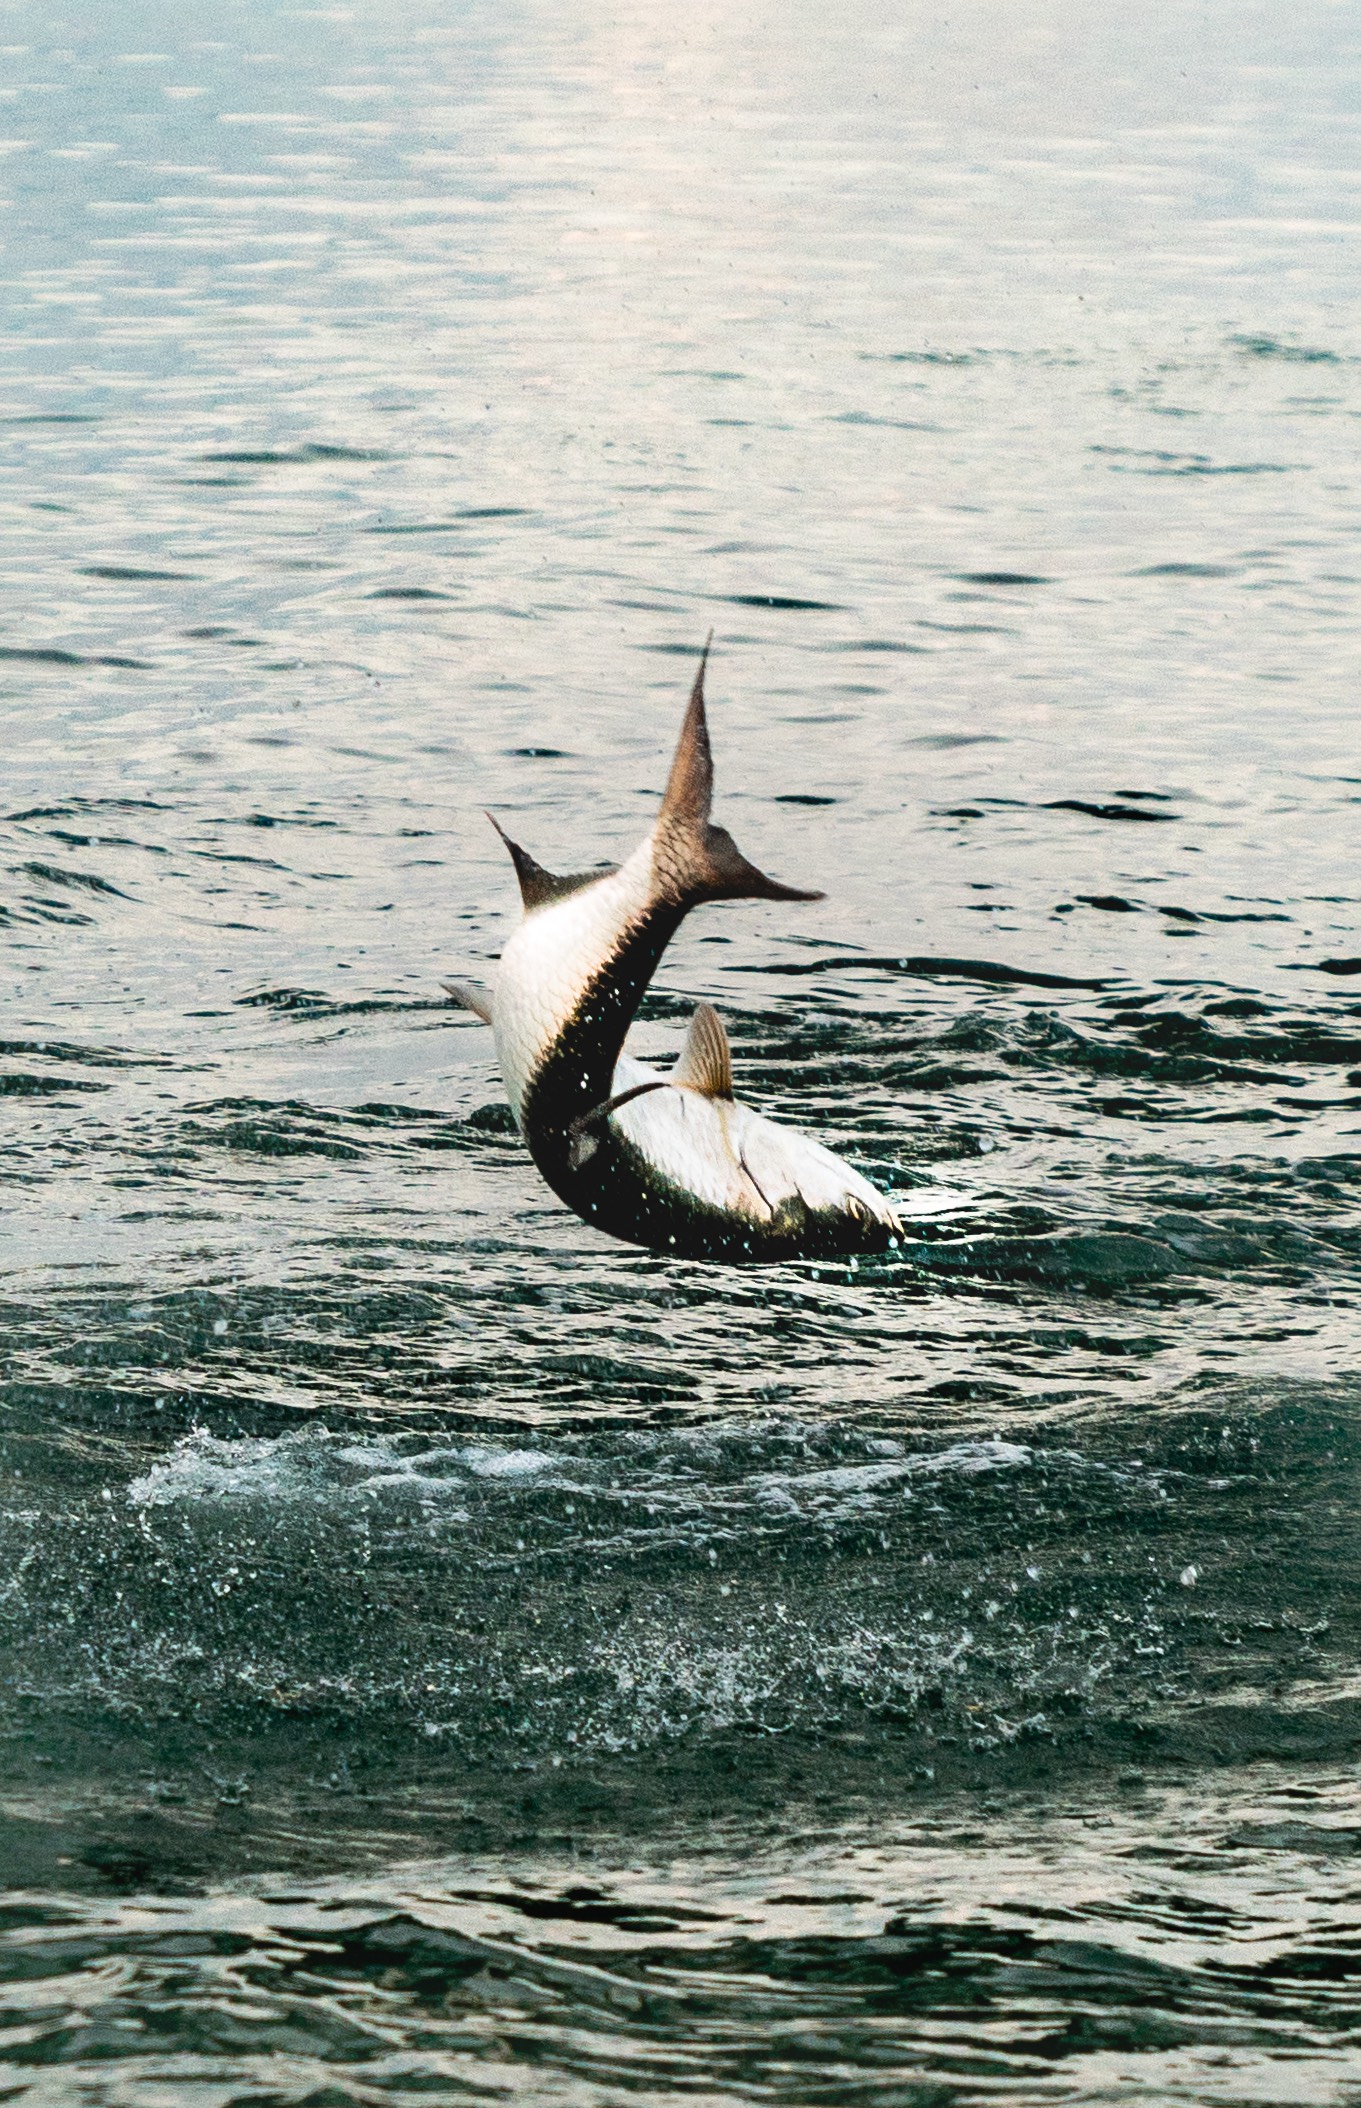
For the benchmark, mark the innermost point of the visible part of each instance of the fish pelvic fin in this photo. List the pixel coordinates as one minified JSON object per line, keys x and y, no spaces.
{"x":584,"y":1133}
{"x":692,"y":859}
{"x":705,"y":1063}
{"x":472,"y":995}
{"x":540,"y":888}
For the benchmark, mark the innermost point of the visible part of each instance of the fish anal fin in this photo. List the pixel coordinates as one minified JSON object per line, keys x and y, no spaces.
{"x":539,"y":888}
{"x":473,"y":996}
{"x":693,"y":860}
{"x":705,"y":1063}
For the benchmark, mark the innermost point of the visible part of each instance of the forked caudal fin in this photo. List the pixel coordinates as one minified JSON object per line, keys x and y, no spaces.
{"x":693,"y":860}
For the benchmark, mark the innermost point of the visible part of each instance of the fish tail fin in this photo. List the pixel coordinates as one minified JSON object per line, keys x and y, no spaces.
{"x":692,"y":859}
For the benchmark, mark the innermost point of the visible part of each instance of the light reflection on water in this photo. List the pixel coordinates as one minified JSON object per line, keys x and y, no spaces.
{"x":392,"y":401}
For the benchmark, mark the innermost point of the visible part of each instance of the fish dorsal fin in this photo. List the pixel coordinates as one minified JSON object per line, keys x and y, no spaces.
{"x":705,"y":1063}
{"x":693,"y":860}
{"x":539,"y":888}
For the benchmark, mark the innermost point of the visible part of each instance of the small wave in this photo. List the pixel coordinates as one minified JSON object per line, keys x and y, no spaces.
{"x":53,"y":655}
{"x":1002,"y":578}
{"x":927,"y":968}
{"x":131,"y":573}
{"x":1185,"y":570}
{"x":317,"y":1466}
{"x":1262,"y":347}
{"x":58,"y":875}
{"x":931,"y":358}
{"x":1156,"y":461}
{"x":781,"y":602}
{"x":1106,"y":811}
{"x":408,"y":593}
{"x":310,"y":450}
{"x":314,"y":1002}
{"x":15,"y":1084}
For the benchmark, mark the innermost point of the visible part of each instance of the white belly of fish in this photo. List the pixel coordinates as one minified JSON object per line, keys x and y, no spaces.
{"x":728,"y":1157}
{"x":554,"y":955}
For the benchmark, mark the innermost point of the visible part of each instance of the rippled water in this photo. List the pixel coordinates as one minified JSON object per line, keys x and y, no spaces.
{"x":443,"y":1653}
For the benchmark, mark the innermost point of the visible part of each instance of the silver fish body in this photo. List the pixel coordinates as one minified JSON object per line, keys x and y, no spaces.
{"x":671,"y":1160}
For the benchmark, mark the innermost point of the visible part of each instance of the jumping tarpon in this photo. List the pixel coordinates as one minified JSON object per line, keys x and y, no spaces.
{"x":667,"y":1160}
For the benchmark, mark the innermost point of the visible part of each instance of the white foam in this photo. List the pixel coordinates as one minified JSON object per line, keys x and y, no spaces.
{"x":507,"y":1463}
{"x":968,"y":1459}
{"x":310,"y":1466}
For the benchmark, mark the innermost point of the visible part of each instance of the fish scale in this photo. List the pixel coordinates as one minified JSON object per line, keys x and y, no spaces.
{"x":554,"y":952}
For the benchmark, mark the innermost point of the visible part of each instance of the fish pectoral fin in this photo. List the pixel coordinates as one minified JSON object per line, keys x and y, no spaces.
{"x":705,"y":1063}
{"x":583,"y":1138}
{"x":472,"y":995}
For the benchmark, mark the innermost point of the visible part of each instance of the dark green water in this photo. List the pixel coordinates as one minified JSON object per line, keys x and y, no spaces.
{"x":445,"y":1655}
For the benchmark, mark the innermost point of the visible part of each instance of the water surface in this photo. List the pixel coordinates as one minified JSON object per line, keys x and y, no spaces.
{"x":444,"y":1653}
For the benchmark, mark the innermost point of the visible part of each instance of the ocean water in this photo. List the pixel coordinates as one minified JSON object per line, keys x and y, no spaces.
{"x":443,"y":1654}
